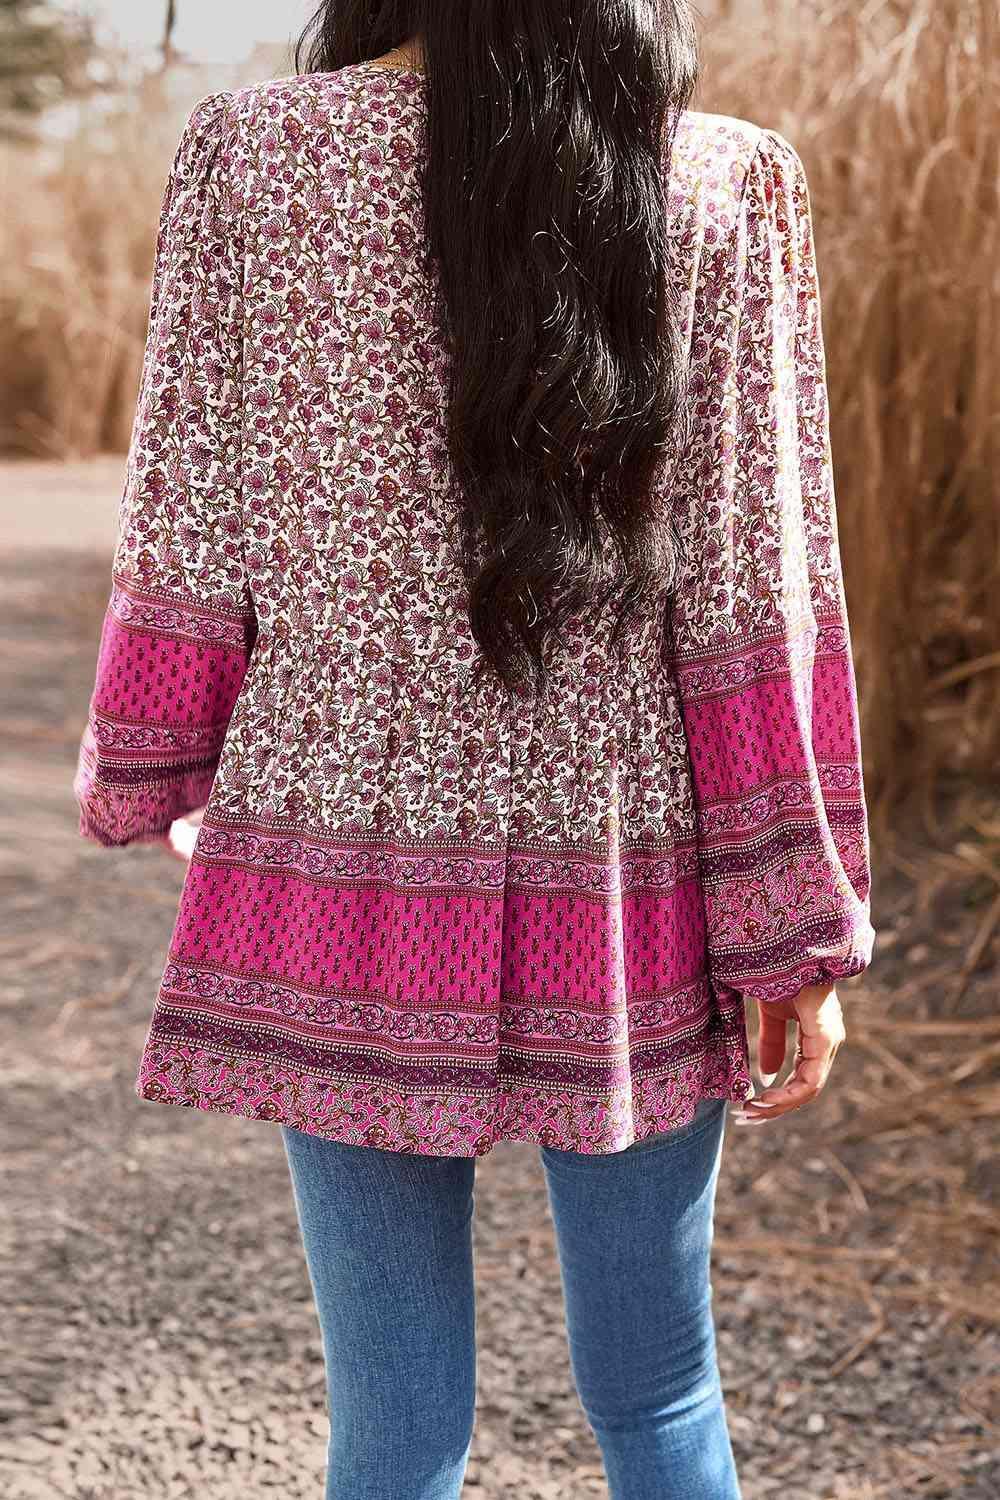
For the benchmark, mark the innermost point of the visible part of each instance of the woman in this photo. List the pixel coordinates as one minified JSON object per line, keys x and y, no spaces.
{"x":478,"y":569}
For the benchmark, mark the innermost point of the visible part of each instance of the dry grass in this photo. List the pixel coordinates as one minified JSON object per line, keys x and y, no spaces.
{"x":76,"y":234}
{"x":894,"y":108}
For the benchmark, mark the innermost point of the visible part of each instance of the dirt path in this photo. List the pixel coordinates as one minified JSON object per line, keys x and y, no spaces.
{"x":156,"y":1295}
{"x":66,"y":505}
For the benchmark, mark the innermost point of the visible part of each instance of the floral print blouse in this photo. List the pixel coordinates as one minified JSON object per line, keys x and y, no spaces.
{"x":422,"y":914}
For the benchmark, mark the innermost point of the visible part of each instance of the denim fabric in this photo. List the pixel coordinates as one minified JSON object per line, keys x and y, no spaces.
{"x":388,"y":1242}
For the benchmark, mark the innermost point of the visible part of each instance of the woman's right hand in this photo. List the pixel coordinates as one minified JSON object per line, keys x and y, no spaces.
{"x":820,"y":1022}
{"x":183,"y":834}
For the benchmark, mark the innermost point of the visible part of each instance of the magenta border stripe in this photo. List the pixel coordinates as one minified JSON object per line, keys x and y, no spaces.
{"x":132,"y":609}
{"x":405,"y":863}
{"x":255,"y":1001}
{"x":371,"y":1063}
{"x":444,"y":1122}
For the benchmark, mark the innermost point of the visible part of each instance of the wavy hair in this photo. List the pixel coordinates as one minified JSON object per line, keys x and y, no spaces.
{"x":549,"y":130}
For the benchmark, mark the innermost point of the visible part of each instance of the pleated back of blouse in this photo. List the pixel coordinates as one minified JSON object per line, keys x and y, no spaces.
{"x":423,"y":913}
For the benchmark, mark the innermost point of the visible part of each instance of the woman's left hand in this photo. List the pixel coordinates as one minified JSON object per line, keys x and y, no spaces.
{"x":821,"y":1033}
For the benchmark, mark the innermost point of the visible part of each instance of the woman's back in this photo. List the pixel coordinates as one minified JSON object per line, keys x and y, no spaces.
{"x":422,"y":912}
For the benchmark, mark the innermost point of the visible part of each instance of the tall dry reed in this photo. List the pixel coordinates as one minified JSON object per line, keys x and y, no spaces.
{"x":894,"y":106}
{"x":77,"y":225}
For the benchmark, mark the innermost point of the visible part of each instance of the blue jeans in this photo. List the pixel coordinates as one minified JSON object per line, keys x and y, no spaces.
{"x":388,"y":1242}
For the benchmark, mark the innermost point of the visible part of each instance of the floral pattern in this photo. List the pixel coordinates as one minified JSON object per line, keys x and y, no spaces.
{"x":421,"y":914}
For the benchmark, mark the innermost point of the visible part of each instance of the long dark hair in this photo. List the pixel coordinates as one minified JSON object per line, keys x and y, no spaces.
{"x":550,"y":125}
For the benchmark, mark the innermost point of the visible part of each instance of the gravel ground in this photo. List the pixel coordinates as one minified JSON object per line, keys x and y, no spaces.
{"x":156,"y":1300}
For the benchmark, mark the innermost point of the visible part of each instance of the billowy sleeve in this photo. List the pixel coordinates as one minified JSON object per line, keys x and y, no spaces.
{"x":758,"y":635}
{"x":179,"y":625}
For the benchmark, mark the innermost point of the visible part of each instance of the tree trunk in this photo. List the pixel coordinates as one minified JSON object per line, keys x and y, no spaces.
{"x":168,"y":33}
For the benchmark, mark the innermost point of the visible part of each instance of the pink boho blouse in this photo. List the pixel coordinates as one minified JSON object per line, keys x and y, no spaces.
{"x":420,"y":914}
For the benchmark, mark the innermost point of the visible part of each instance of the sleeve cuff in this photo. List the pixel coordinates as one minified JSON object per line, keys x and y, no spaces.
{"x":820,"y":968}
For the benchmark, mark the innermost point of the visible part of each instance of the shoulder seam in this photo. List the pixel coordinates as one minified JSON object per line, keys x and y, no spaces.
{"x":762,"y":132}
{"x":224,"y":119}
{"x":781,"y":144}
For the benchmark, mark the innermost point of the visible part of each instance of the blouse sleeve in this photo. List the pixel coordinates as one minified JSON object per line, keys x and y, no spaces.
{"x":757,"y":633}
{"x":179,"y":625}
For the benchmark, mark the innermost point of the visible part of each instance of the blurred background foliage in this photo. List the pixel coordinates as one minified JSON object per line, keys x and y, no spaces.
{"x":46,"y":56}
{"x":895,"y":110}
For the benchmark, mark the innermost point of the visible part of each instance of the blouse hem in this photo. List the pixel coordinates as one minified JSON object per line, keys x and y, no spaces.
{"x":444,"y":1123}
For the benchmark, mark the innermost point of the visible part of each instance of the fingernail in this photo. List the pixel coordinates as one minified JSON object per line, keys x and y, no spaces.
{"x":750,"y":1120}
{"x":767,"y":1079}
{"x":766,"y":1103}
